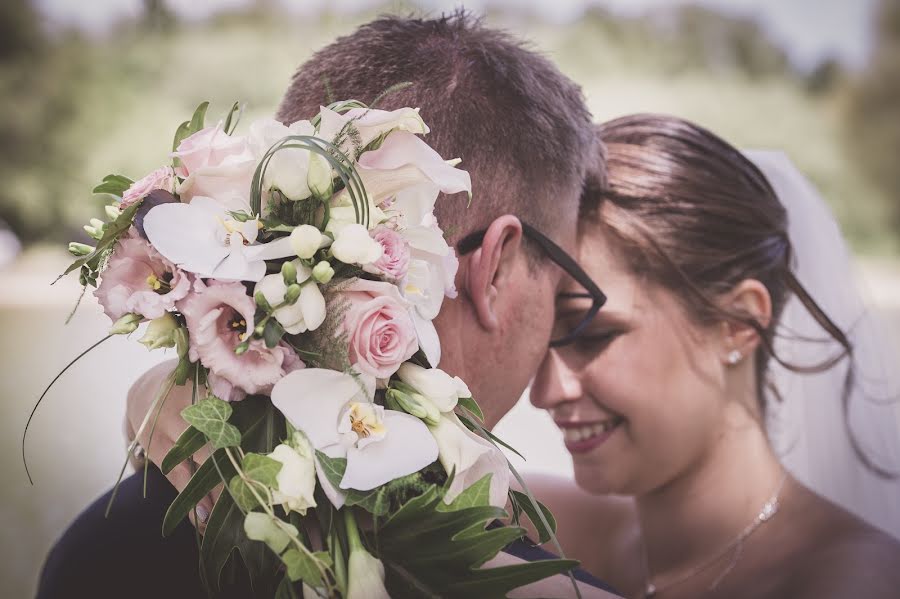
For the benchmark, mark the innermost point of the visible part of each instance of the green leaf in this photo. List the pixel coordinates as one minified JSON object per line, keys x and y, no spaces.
{"x":189,"y":443}
{"x":111,"y":234}
{"x":525,"y":503}
{"x":471,"y":405}
{"x":428,"y":550}
{"x":188,"y":128}
{"x":476,"y":495}
{"x":301,"y":566}
{"x":240,"y":492}
{"x":204,"y":480}
{"x":224,"y":540}
{"x":230,"y":121}
{"x":375,"y":501}
{"x":269,"y":530}
{"x":286,"y":590}
{"x":262,"y":469}
{"x":114,"y":185}
{"x":210,"y":416}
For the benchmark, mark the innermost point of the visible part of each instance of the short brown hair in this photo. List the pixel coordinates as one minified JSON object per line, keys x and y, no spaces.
{"x":519,"y":125}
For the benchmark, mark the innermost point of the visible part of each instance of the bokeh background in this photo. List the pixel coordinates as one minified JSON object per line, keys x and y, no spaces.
{"x":89,"y":88}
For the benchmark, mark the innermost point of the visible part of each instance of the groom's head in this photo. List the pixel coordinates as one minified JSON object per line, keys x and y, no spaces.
{"x":524,"y":134}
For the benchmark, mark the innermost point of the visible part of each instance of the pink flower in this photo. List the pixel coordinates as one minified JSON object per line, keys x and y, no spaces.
{"x":394,"y":260}
{"x":161,"y":178}
{"x":216,"y":165}
{"x":138,"y":279}
{"x":218,"y":316}
{"x":381,"y":334}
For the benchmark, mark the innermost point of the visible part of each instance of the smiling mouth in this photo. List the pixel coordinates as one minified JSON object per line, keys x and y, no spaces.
{"x":584,"y":437}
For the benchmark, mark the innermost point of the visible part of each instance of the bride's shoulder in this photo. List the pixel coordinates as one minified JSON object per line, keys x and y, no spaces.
{"x":568,"y":501}
{"x":843,"y":556}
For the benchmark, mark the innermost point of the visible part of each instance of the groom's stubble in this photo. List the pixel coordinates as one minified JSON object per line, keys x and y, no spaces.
{"x":524,"y":134}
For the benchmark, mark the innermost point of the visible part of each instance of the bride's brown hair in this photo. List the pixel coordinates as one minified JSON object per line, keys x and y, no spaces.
{"x":689,"y":212}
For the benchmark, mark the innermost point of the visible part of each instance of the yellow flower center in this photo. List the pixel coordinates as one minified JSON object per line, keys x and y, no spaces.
{"x":363,"y":420}
{"x":154,"y":283}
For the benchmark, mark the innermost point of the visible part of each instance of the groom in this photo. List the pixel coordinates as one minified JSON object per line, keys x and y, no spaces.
{"x":525,"y":137}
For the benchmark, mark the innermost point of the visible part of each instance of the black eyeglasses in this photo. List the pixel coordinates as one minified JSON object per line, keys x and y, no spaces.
{"x":558,"y":256}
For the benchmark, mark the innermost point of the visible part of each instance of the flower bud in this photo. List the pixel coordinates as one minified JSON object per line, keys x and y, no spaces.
{"x":97,"y":223}
{"x":305,"y":241}
{"x":323,"y":272}
{"x":289,"y":273}
{"x":80,"y":249}
{"x":292,"y":294}
{"x":126,"y":325}
{"x":93,"y":232}
{"x":242,"y":347}
{"x":112,"y":212}
{"x":160,"y":332}
{"x":260,"y":298}
{"x":415,"y":404}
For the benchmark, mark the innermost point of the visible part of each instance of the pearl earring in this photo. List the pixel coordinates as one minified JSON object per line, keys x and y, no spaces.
{"x":734,"y":356}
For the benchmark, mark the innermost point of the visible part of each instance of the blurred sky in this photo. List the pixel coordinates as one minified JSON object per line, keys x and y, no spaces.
{"x":810,"y":30}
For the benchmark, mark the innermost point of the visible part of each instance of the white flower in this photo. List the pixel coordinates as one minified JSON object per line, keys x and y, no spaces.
{"x":307,"y":239}
{"x":203,"y":238}
{"x":354,"y":245}
{"x":160,"y":332}
{"x":365,"y":576}
{"x":337,"y":414}
{"x":471,"y":458}
{"x":288,"y":168}
{"x":307,"y":313}
{"x":297,"y":477}
{"x":367,"y":124}
{"x":435,"y":384}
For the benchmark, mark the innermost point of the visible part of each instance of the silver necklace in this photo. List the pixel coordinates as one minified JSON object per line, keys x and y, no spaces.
{"x":736,"y":545}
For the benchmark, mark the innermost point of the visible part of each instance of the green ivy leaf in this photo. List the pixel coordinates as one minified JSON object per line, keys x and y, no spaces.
{"x":301,"y":566}
{"x":240,"y":492}
{"x":262,"y":469}
{"x":189,"y":443}
{"x":478,"y":494}
{"x":210,"y":416}
{"x":271,"y":531}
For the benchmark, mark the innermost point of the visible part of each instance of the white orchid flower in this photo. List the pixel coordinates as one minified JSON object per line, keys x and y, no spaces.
{"x":471,"y":458}
{"x":306,"y":240}
{"x":354,"y":245}
{"x":294,"y":171}
{"x":203,"y":238}
{"x":307,"y":313}
{"x":435,"y":384}
{"x":367,"y":124}
{"x":337,"y":414}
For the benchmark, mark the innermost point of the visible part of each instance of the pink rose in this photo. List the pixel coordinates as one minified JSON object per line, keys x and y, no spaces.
{"x":138,"y":279}
{"x":380,"y":332}
{"x":218,"y":315}
{"x":216,"y":165}
{"x":161,"y":178}
{"x":394,"y":261}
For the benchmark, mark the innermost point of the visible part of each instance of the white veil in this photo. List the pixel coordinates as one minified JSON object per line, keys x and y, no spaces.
{"x":808,"y":428}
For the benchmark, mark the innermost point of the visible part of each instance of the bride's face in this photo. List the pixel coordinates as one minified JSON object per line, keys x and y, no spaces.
{"x":640,"y":396}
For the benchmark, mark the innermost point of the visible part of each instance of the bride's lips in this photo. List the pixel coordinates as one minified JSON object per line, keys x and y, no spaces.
{"x":581,"y":437}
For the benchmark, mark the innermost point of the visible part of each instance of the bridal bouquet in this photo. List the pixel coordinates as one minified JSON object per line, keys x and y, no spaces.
{"x":296,"y":270}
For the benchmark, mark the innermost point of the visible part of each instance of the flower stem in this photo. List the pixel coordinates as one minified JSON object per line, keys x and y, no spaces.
{"x":353,"y":539}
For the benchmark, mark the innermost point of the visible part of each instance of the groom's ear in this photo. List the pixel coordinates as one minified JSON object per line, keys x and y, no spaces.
{"x":490,"y":270}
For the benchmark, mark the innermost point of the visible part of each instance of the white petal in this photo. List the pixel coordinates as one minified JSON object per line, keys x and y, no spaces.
{"x":312,"y":304}
{"x":279,"y":248}
{"x":472,"y":458}
{"x":429,"y":342}
{"x":186,"y":235}
{"x":402,"y":150}
{"x":312,"y":400}
{"x":335,"y":496}
{"x":407,"y":447}
{"x":426,"y":239}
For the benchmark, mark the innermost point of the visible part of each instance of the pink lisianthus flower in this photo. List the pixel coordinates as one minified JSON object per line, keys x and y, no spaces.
{"x":161,"y":178}
{"x":219,"y":317}
{"x":394,"y":261}
{"x":216,"y":165}
{"x":380,"y":331}
{"x":139,"y":280}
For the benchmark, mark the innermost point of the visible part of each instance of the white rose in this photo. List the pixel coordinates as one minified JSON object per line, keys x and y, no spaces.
{"x":288,"y":169}
{"x":297,"y":477}
{"x":354,"y":245}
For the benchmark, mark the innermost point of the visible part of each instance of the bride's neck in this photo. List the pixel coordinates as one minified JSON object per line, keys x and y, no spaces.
{"x":698,"y":513}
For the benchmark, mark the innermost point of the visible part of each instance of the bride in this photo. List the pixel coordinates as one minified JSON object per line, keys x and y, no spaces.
{"x":663,"y":400}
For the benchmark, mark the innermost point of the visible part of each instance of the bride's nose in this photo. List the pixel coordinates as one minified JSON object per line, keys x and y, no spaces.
{"x":555,"y":383}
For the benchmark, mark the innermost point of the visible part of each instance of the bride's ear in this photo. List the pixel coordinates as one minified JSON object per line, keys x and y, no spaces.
{"x":490,"y":268}
{"x":751,"y":299}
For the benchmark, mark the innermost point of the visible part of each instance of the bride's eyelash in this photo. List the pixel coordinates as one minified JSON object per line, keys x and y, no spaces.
{"x":595,"y":341}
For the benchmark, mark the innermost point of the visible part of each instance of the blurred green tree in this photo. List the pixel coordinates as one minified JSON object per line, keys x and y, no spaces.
{"x":873,"y":124}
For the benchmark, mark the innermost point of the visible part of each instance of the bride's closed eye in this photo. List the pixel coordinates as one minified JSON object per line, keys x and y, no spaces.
{"x":595,"y":341}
